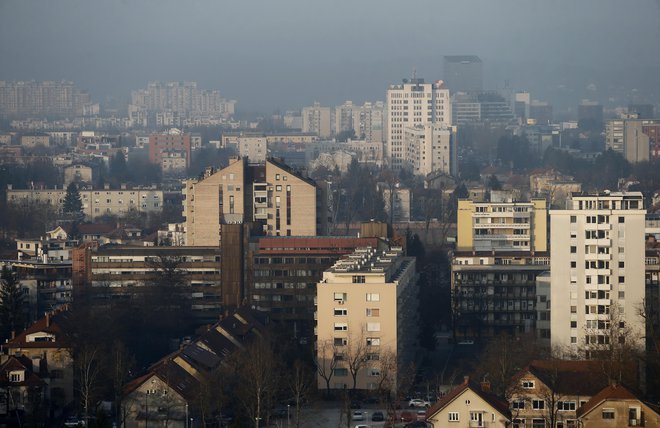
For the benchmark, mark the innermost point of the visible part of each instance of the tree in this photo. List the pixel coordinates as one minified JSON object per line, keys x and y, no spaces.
{"x":493,"y":183}
{"x":300,"y":382}
{"x":356,"y":355}
{"x":12,"y":303}
{"x":72,"y":202}
{"x":326,"y":363}
{"x":87,"y":368}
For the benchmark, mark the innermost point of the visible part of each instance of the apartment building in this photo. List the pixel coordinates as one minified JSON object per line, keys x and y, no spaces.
{"x":369,"y":122}
{"x":366,"y":318}
{"x":635,"y":139}
{"x":431,"y":148}
{"x":500,"y":251}
{"x":413,"y":103}
{"x":597,"y":270}
{"x":317,"y":120}
{"x":96,"y":203}
{"x":44,"y":98}
{"x":161,"y":146}
{"x":506,"y":226}
{"x":284,"y":202}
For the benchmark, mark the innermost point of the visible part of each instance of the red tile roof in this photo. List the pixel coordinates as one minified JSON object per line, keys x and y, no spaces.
{"x":499,"y":404}
{"x":612,"y":392}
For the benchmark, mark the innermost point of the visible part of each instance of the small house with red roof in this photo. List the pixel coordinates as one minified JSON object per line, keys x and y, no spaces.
{"x":470,"y":405}
{"x":617,"y":406}
{"x":21,"y":387}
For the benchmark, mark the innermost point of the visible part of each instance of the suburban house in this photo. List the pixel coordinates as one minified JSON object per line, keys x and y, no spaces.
{"x":22,"y":391}
{"x":549,"y":392}
{"x":617,"y":406}
{"x":470,"y":405}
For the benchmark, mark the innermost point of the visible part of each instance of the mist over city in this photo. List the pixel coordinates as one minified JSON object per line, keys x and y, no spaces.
{"x":341,"y":214}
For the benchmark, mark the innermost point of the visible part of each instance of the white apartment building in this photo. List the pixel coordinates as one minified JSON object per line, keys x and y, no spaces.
{"x":344,"y":117}
{"x":369,"y":122}
{"x":431,"y":148}
{"x":413,"y":103}
{"x":317,"y":119}
{"x":597,"y":269}
{"x":366,"y":314}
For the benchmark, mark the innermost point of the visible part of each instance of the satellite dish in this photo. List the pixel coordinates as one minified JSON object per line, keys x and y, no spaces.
{"x":405,"y":80}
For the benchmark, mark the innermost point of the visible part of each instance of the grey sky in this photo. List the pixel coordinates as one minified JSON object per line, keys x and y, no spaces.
{"x":284,"y":54}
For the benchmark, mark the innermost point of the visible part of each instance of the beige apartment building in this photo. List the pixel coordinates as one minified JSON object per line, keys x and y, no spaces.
{"x":96,"y":203}
{"x":431,"y":148}
{"x":507,"y":226}
{"x":317,"y":119}
{"x":366,"y":319}
{"x":271,"y":193}
{"x":35,"y":140}
{"x":597,"y":270}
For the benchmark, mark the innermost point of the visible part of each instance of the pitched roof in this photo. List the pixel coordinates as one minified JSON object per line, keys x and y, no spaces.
{"x":55,"y":323}
{"x":14,"y":364}
{"x":574,"y":377}
{"x":611,"y":392}
{"x":497,"y":403}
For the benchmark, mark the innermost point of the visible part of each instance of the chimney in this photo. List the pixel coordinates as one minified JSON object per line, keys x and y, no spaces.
{"x":47,"y":319}
{"x":13,"y":334}
{"x":466,"y":380}
{"x":485,"y":386}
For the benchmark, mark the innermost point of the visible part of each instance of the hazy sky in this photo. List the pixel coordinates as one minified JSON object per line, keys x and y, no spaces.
{"x":283,"y":54}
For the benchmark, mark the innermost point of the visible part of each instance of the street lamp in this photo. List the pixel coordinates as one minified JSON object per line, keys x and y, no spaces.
{"x":288,"y":417}
{"x":187,"y":426}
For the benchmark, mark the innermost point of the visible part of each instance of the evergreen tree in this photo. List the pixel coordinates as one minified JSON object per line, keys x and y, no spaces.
{"x":12,"y":303}
{"x":72,"y":201}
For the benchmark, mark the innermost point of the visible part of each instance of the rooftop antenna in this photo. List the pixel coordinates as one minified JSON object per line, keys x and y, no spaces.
{"x":414,"y":74}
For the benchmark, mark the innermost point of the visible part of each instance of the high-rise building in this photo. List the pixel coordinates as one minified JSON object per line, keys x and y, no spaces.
{"x":480,"y":107}
{"x":366,"y":318}
{"x":344,"y":117}
{"x":463,"y":73}
{"x":162,"y":146}
{"x":410,"y":104}
{"x":47,"y":98}
{"x":369,"y":122}
{"x":541,"y":112}
{"x":283,"y":201}
{"x":431,"y":148}
{"x":590,"y":115}
{"x":317,"y":119}
{"x":636,"y":139}
{"x":597,"y":270}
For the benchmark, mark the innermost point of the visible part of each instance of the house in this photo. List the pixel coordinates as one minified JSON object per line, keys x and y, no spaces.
{"x":617,"y":406}
{"x":174,"y":387}
{"x":22,"y":391}
{"x":46,"y":346}
{"x":548,"y":392}
{"x":470,"y":405}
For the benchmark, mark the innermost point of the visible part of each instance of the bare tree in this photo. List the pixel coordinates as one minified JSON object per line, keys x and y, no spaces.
{"x":88,"y":369}
{"x":326,"y":363}
{"x":300,"y":382}
{"x":356,"y":355}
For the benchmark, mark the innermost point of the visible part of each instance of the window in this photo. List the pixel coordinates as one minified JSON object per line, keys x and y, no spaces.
{"x":566,"y":406}
{"x":573,"y":264}
{"x":374,"y":372}
{"x":538,"y":423}
{"x":340,"y":297}
{"x":573,"y":324}
{"x":573,"y":219}
{"x":373,"y":341}
{"x":573,"y":249}
{"x":528,"y":384}
{"x":340,"y":341}
{"x":358,"y":279}
{"x":373,"y":326}
{"x":538,"y":404}
{"x":373,"y":297}
{"x":608,"y":413}
{"x":373,"y":312}
{"x":518,"y":404}
{"x":453,"y":417}
{"x":341,"y":312}
{"x":341,"y":372}
{"x":341,"y":326}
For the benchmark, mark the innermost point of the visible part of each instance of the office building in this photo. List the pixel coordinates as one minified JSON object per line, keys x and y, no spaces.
{"x":480,"y":107}
{"x":540,"y":112}
{"x":410,"y":104}
{"x":367,"y":312}
{"x":590,"y":115}
{"x":463,"y":73}
{"x":597,"y":270}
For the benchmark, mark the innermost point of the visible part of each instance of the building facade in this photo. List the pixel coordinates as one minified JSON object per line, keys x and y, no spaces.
{"x":317,"y":120}
{"x":637,"y":140}
{"x":463,"y":73}
{"x":431,"y":148}
{"x":366,"y":316}
{"x":597,"y":269}
{"x":162,"y":145}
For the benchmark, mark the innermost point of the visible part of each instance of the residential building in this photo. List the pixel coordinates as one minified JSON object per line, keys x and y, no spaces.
{"x":173,"y":163}
{"x":46,"y":345}
{"x":170,"y":390}
{"x":398,"y":203}
{"x":344,"y":117}
{"x":284,"y":202}
{"x":115,"y":272}
{"x":617,"y":406}
{"x":549,"y":392}
{"x":96,"y":203}
{"x":431,"y":148}
{"x":554,"y":186}
{"x":463,"y":73}
{"x":255,"y":149}
{"x":34,"y":140}
{"x":506,"y":226}
{"x":470,"y":405}
{"x":367,"y":312}
{"x":232,"y":139}
{"x":282,"y":273}
{"x":413,"y":103}
{"x":369,"y":122}
{"x":317,"y":120}
{"x":365,"y":152}
{"x":173,"y":141}
{"x":22,"y":389}
{"x":637,"y":140}
{"x":597,"y":268}
{"x":38,"y":99}
{"x":79,"y":174}
{"x":5,"y":139}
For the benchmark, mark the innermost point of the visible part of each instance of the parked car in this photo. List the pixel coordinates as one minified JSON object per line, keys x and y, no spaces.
{"x":418,"y":402}
{"x":378,"y":417}
{"x":74,"y":421}
{"x":362,"y":426}
{"x":357,"y":416}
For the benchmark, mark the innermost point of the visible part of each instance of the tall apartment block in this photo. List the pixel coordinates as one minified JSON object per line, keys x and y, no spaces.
{"x":597,"y":268}
{"x":463,"y":73}
{"x":635,"y":139}
{"x":431,"y":148}
{"x":500,"y":252}
{"x":183,"y":98}
{"x":284,"y":202}
{"x":317,"y":119}
{"x":47,"y":98}
{"x":369,"y":122}
{"x":413,"y":103}
{"x":163,"y":146}
{"x":367,"y":312}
